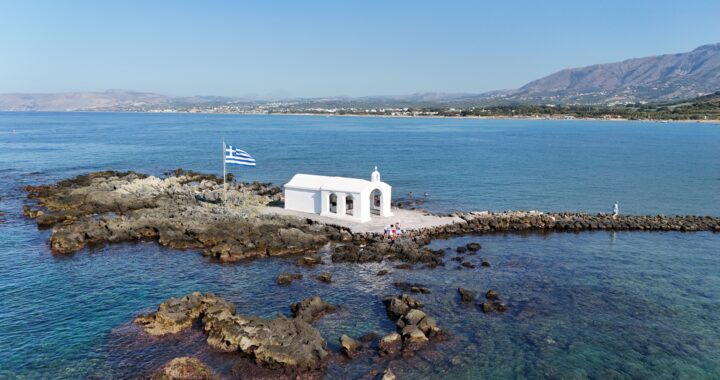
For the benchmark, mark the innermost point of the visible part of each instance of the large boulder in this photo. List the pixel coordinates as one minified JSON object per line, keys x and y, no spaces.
{"x":350,"y":346}
{"x":413,"y":335}
{"x":390,"y":344}
{"x":414,"y":316}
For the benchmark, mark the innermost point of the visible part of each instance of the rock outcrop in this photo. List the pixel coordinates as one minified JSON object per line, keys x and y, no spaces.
{"x":390,"y":344}
{"x":180,"y":211}
{"x":349,"y":346}
{"x":412,"y":287}
{"x":416,"y":328}
{"x":493,"y":302}
{"x":466,"y":295}
{"x":184,"y":368}
{"x":311,"y":309}
{"x":287,"y":278}
{"x":278,"y":342}
{"x":325,"y":277}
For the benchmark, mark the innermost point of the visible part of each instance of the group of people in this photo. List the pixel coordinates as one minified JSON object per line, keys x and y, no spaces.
{"x":392,"y":231}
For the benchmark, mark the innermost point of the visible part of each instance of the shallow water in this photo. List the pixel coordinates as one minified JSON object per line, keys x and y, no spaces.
{"x":588,"y":305}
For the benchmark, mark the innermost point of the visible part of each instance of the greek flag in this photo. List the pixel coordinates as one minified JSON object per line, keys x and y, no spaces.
{"x":236,"y":156}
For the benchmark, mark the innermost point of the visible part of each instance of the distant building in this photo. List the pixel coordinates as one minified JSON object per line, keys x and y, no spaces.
{"x":339,"y":197}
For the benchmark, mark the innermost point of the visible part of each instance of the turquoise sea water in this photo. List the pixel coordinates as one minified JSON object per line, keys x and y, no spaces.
{"x":590,"y":305}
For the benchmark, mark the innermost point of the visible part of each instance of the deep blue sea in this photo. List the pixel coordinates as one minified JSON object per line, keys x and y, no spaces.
{"x":595,"y":305}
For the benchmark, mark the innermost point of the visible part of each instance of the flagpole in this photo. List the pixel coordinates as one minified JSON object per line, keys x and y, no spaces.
{"x":224,"y":173}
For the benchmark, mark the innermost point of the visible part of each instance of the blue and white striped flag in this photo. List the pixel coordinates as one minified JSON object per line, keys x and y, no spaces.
{"x":236,"y":156}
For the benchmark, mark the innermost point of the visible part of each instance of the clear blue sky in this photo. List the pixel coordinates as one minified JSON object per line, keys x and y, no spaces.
{"x":327,"y":48}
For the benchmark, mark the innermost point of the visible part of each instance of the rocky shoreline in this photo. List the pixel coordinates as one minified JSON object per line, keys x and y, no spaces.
{"x":291,"y":345}
{"x":183,"y":211}
{"x":281,"y":347}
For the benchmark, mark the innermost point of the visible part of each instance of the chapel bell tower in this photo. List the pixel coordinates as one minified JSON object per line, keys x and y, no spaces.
{"x":375,"y":176}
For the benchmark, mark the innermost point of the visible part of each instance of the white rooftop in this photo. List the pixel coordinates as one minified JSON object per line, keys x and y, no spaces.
{"x":321,"y":182}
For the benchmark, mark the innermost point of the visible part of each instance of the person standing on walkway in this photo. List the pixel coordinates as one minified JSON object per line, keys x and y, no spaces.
{"x":616,"y":210}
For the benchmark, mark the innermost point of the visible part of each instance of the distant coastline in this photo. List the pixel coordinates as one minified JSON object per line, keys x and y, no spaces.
{"x":468,"y":117}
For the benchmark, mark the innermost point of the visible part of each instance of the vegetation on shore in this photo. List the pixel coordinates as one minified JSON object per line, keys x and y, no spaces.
{"x":702,"y":108}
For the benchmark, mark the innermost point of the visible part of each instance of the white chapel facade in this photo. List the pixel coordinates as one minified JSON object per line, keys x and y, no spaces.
{"x":339,"y":197}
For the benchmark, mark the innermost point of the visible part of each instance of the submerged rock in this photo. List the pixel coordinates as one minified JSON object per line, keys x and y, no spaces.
{"x":311,"y":309}
{"x":308,"y":261}
{"x":466,"y":295}
{"x":412,"y":287}
{"x":325,"y":277}
{"x":287,"y":278}
{"x":473,"y":247}
{"x":493,"y":302}
{"x":487,"y":307}
{"x":271,"y":342}
{"x":184,"y":368}
{"x":491,"y":295}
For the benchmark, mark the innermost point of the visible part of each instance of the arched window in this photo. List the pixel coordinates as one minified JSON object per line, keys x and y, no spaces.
{"x":349,"y":205}
{"x":333,"y":203}
{"x":376,"y":202}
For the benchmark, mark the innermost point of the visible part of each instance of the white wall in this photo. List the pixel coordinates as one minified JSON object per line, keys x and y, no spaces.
{"x":302,"y":200}
{"x":317,"y":202}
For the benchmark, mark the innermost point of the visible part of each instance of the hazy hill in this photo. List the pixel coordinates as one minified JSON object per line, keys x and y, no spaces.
{"x":111,"y":100}
{"x":73,"y":101}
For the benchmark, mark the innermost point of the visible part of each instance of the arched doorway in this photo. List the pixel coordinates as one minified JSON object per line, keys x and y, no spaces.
{"x":349,"y":205}
{"x":376,"y":202}
{"x":333,"y":203}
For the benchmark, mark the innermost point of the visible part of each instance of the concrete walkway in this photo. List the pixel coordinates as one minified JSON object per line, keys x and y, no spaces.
{"x":409,"y":220}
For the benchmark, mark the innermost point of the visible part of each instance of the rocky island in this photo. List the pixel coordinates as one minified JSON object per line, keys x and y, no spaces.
{"x":185,"y":210}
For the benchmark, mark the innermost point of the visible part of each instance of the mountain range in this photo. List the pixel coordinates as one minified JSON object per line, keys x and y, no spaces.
{"x":657,"y":78}
{"x":649,"y":79}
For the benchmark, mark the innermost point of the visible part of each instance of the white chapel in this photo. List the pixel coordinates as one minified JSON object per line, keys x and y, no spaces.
{"x":339,"y":197}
